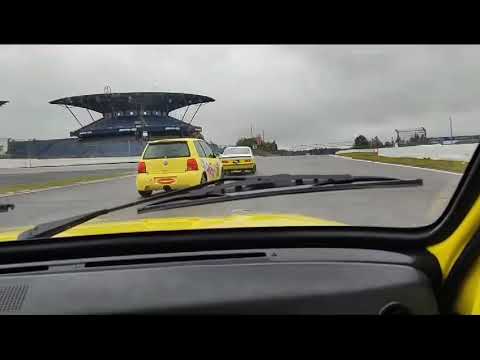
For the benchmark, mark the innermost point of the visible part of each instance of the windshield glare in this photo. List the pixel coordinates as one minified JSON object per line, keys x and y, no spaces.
{"x":209,"y":112}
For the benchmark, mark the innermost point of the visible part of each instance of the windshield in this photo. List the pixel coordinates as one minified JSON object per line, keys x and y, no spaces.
{"x":122,"y":123}
{"x":237,"y":151}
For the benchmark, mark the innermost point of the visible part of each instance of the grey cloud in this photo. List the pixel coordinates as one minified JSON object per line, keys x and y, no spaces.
{"x":297,"y":94}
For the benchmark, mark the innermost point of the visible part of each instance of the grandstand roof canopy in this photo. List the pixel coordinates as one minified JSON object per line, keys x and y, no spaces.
{"x":111,"y":102}
{"x":3,"y":102}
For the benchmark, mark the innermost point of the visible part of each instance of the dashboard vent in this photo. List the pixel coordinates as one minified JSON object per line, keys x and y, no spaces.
{"x":24,"y":269}
{"x":176,"y":259}
{"x":12,"y":297}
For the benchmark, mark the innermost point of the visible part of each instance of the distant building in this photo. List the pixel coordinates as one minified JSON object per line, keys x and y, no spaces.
{"x":3,"y":146}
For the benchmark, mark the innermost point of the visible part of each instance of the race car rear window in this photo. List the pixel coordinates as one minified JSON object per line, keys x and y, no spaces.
{"x":237,"y":151}
{"x":206,"y":149}
{"x":167,"y":150}
{"x":200,"y":150}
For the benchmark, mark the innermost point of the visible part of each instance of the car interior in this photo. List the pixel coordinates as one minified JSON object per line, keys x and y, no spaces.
{"x":290,"y":270}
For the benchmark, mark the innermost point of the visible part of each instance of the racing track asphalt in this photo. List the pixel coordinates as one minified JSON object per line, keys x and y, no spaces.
{"x":413,"y":206}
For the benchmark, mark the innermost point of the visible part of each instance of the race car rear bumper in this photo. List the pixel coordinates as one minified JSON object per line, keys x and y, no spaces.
{"x":239,"y":167}
{"x":174,"y":181}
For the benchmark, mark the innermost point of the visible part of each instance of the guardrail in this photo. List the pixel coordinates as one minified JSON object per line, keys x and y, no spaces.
{"x":32,"y":163}
{"x":355,"y":150}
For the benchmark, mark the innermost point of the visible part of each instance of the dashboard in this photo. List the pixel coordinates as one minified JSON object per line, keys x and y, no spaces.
{"x":261,"y":281}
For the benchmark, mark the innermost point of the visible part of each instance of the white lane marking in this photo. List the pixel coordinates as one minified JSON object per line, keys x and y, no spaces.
{"x":26,"y":192}
{"x":405,"y":166}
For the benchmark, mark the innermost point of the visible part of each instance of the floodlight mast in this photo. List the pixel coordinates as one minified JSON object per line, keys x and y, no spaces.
{"x":198,"y":108}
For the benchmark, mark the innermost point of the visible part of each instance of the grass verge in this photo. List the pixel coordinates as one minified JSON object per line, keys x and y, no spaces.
{"x":446,"y":165}
{"x":53,"y":183}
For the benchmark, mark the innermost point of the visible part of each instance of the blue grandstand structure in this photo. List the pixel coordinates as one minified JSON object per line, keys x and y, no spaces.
{"x":127,"y":122}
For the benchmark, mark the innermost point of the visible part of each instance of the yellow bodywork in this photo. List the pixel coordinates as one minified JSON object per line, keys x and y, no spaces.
{"x":239,"y":164}
{"x":155,"y":182}
{"x":183,"y":223}
{"x":468,"y":301}
{"x":172,"y":172}
{"x":447,"y":253}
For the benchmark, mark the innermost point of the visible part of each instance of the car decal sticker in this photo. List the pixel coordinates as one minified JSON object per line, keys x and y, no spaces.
{"x":211,"y":171}
{"x":208,"y":168}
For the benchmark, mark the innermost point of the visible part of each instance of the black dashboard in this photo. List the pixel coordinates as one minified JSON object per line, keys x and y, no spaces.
{"x":260,"y":281}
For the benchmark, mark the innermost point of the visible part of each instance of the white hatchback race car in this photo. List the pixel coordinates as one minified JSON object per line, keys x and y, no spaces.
{"x":238,"y":159}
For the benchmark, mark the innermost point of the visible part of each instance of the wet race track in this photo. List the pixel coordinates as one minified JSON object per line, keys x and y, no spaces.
{"x":411,"y":206}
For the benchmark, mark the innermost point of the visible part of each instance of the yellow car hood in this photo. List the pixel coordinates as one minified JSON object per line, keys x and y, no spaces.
{"x":97,"y":227}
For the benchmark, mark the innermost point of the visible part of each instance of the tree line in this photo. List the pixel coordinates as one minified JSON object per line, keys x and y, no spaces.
{"x":254,"y":144}
{"x":361,"y":142}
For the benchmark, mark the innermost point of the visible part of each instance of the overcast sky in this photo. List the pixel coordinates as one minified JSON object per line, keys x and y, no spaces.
{"x":296,"y":94}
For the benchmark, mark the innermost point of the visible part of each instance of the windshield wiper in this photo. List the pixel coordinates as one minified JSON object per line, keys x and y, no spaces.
{"x":229,"y":189}
{"x":276,"y":185}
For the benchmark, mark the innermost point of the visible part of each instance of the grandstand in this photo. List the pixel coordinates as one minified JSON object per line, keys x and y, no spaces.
{"x":134,"y":113}
{"x":75,"y":148}
{"x":127,"y":122}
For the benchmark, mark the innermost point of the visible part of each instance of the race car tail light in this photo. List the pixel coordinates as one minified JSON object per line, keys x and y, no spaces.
{"x":192,"y":165}
{"x":224,"y":161}
{"x":142,"y":168}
